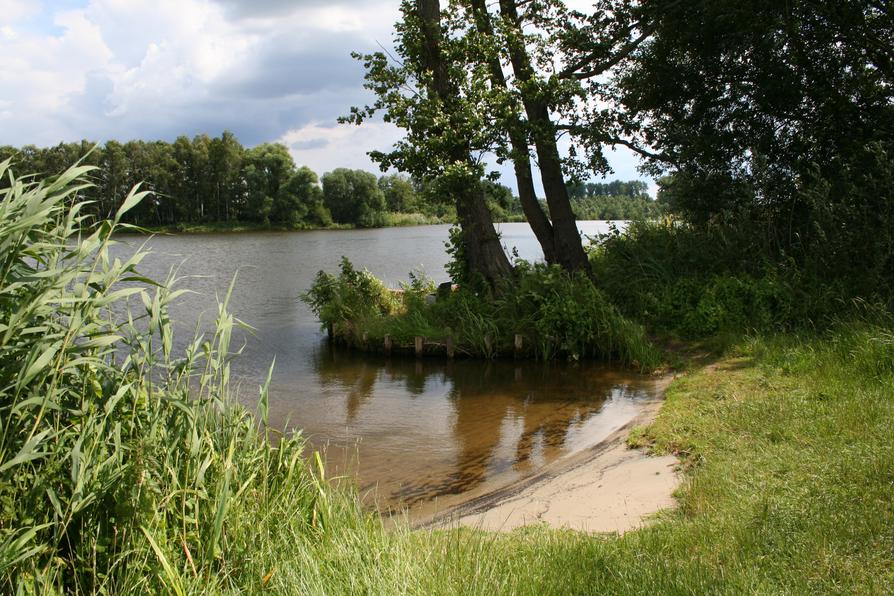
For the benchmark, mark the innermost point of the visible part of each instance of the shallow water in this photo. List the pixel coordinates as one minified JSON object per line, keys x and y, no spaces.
{"x":409,"y":431}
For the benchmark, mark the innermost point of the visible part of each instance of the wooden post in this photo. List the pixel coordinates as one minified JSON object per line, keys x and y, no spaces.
{"x":451,"y":351}
{"x":419,"y":344}
{"x":519,"y":344}
{"x":388,"y":344}
{"x":365,"y":338}
{"x":487,"y":345}
{"x":329,"y":330}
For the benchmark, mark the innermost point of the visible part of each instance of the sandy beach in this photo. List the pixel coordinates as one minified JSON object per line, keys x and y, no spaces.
{"x":607,"y":488}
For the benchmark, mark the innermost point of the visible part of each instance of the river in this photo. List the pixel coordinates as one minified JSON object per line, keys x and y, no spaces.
{"x":421,"y":434}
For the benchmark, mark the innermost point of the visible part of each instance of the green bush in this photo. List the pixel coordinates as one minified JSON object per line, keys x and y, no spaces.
{"x":351,"y":301}
{"x":700,"y":282}
{"x":559,"y":315}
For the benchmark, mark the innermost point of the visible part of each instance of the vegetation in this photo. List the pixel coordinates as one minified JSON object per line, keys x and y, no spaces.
{"x":216,"y":184}
{"x":126,"y":468}
{"x":557,"y":314}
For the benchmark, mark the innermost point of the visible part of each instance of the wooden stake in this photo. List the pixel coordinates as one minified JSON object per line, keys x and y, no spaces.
{"x":419,"y":344}
{"x":519,"y":344}
{"x":387,"y":344}
{"x":451,"y":351}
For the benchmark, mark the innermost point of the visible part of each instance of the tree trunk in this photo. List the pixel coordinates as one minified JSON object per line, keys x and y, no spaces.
{"x":569,"y":249}
{"x":521,"y":159}
{"x":483,"y":251}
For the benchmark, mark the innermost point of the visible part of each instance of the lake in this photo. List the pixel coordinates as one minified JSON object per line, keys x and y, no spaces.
{"x":414,"y":433}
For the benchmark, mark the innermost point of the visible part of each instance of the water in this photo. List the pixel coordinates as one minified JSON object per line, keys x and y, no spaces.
{"x":412,"y":433}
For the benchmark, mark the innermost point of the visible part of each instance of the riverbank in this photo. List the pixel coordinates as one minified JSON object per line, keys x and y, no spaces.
{"x":787,"y":486}
{"x":392,"y":220}
{"x":610,"y":487}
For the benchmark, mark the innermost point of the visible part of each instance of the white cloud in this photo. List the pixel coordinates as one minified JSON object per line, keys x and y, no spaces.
{"x":323,"y":148}
{"x":12,"y":11}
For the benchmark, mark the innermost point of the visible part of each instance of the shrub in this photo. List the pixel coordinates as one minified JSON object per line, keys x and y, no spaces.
{"x":700,"y":281}
{"x":558,"y":314}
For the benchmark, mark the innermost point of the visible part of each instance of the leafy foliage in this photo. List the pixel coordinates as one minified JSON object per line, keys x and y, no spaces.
{"x":353,"y":196}
{"x":701,"y":281}
{"x":778,"y":117}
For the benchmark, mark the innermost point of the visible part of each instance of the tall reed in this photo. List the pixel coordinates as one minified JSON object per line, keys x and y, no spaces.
{"x":124,"y":466}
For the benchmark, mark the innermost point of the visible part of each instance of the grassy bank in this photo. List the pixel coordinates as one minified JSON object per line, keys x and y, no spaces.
{"x":556,"y":315}
{"x":789,"y":488}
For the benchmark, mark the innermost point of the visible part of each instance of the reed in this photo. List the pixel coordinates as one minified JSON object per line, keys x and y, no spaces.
{"x":122,"y":463}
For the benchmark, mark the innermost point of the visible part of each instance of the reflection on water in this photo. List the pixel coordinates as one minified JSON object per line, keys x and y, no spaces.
{"x":467,"y":425}
{"x":419,"y":430}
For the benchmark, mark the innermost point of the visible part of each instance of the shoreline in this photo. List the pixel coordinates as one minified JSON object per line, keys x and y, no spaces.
{"x":608,"y":487}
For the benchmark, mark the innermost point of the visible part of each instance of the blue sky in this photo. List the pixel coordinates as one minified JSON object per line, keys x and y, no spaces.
{"x":269,"y":70}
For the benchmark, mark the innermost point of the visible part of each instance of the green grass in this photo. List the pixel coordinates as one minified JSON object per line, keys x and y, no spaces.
{"x":789,"y":489}
{"x":126,"y":468}
{"x":558,"y":316}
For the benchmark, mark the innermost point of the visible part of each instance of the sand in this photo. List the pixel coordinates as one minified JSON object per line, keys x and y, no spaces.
{"x":608,"y":488}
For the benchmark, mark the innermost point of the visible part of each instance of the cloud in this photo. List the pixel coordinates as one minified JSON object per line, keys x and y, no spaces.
{"x":12,"y":11}
{"x":323,"y":147}
{"x":156,"y":69}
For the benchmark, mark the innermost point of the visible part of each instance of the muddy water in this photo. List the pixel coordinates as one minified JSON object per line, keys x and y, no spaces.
{"x":412,"y":433}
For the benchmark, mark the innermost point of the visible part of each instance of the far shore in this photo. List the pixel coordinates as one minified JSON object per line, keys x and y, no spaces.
{"x":396,"y":220}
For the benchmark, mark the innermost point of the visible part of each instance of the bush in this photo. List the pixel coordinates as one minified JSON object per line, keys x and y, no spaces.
{"x":696,"y":282}
{"x":558,"y":315}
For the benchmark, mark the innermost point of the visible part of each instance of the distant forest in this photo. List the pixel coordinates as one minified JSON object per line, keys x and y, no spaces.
{"x":208,"y":180}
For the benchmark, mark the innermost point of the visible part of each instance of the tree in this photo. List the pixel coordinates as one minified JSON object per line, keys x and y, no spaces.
{"x":431,"y":96}
{"x":113,"y":178}
{"x":538,"y":96}
{"x":225,"y":157}
{"x":267,"y":169}
{"x":778,"y":113}
{"x":488,"y":50}
{"x":354,"y":197}
{"x":301,"y":201}
{"x":500,"y":199}
{"x":400,"y":196}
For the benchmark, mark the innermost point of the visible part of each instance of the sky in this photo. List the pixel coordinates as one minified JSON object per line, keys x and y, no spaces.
{"x":268,"y":70}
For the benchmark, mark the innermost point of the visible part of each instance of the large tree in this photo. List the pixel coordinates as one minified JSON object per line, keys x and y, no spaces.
{"x":488,"y":52}
{"x":537,"y":94}
{"x":782,"y":113}
{"x":432,"y":96}
{"x":354,"y":196}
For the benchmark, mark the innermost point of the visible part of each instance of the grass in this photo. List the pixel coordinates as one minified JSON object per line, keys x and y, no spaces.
{"x":558,"y":316}
{"x":126,"y":468}
{"x":789,"y":488}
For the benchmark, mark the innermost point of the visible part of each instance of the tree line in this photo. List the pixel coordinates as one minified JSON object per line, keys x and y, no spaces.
{"x":213,"y":180}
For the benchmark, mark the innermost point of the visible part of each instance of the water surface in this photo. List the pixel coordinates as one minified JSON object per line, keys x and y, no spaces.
{"x":411,"y":432}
